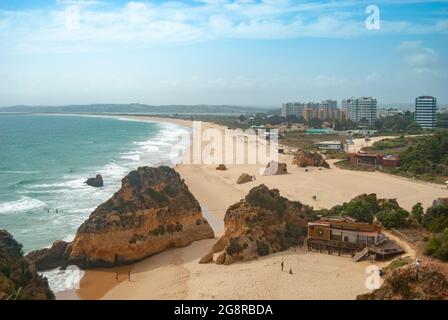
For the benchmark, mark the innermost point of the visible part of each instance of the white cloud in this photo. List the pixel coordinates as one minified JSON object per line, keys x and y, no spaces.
{"x":139,"y":23}
{"x":373,"y":76}
{"x":419,"y":58}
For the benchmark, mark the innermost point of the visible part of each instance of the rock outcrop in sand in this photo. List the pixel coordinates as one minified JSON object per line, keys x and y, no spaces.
{"x":96,"y":182}
{"x":18,"y":277}
{"x":244,"y":178}
{"x":153,"y":211}
{"x":405,"y":284}
{"x":262,"y":223}
{"x":50,"y":258}
{"x":221,"y":167}
{"x":274,"y":168}
{"x":304,"y":159}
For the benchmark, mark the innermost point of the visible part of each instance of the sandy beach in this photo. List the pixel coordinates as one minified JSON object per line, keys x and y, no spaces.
{"x":176,"y":273}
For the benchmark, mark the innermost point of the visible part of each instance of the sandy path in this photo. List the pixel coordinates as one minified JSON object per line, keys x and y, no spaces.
{"x":176,"y":274}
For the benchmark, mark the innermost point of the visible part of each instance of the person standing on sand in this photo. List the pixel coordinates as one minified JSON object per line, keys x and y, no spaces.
{"x":129,"y":276}
{"x":282,"y":264}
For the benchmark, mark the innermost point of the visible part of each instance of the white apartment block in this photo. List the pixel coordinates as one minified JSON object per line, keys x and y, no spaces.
{"x":426,"y":112}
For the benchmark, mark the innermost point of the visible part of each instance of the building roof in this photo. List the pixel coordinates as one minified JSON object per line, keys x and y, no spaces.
{"x":329,"y":142}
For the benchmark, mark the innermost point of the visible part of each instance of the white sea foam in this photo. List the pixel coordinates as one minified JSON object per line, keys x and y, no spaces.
{"x":18,"y":172}
{"x":23,"y":204}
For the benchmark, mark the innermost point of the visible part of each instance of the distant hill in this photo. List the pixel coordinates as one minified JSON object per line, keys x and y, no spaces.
{"x":136,"y":108}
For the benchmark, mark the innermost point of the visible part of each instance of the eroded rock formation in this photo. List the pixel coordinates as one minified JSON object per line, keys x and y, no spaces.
{"x":153,"y":211}
{"x":221,"y":167}
{"x":406,"y":284}
{"x":18,"y":277}
{"x":304,"y":158}
{"x":244,"y":178}
{"x":50,"y":258}
{"x":262,"y":223}
{"x":274,"y":168}
{"x":96,"y":182}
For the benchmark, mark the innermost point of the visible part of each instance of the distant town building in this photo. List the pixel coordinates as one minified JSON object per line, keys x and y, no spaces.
{"x":328,"y":105}
{"x":389,"y":112}
{"x":361,"y":109}
{"x":330,"y":145}
{"x":374,"y":160}
{"x":292,"y":109}
{"x":426,"y":112}
{"x":324,"y":110}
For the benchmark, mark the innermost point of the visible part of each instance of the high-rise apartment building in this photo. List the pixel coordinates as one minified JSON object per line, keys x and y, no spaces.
{"x":426,"y":112}
{"x":363,"y":109}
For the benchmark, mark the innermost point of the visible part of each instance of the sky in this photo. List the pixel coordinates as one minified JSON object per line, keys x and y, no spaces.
{"x":238,"y":52}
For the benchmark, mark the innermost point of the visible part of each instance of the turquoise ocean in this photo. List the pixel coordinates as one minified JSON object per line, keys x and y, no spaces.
{"x":45,"y":160}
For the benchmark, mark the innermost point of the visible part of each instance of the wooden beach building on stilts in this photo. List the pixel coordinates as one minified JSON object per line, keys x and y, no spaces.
{"x":345,"y":235}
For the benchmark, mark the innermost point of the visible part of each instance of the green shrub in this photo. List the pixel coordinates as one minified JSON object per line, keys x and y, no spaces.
{"x":400,"y":285}
{"x":234,"y":247}
{"x":262,"y":248}
{"x":436,"y":218}
{"x":157,"y":196}
{"x":393,"y":218}
{"x":437,"y":246}
{"x":6,"y":270}
{"x":417,"y":213}
{"x":363,"y":208}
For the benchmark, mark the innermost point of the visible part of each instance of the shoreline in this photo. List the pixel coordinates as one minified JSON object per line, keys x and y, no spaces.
{"x":176,"y":274}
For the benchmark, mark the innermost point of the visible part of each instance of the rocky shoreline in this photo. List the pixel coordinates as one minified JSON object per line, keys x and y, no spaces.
{"x":153,"y":211}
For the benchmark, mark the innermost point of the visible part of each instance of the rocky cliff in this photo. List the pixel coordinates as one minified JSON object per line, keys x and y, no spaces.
{"x":304,"y":158}
{"x":262,"y":223}
{"x":18,"y":277}
{"x":50,"y":258}
{"x":153,"y":211}
{"x":406,"y":284}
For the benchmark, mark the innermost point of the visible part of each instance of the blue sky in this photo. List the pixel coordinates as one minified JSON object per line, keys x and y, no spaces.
{"x":245,"y":52}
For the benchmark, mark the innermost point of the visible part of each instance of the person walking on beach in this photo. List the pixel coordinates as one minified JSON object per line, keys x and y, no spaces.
{"x":282,"y":264}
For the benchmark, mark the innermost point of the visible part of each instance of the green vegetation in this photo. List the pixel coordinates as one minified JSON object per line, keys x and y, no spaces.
{"x":437,"y":246}
{"x":234,"y":247}
{"x":344,"y":125}
{"x":258,"y":197}
{"x":157,"y":196}
{"x":366,"y":207}
{"x":429,"y":156}
{"x":398,"y":263}
{"x":293,"y":235}
{"x":363,"y":208}
{"x":390,"y":146}
{"x":403,"y":123}
{"x":417,"y":213}
{"x":393,"y":217}
{"x":436,"y":218}
{"x":442,"y":120}
{"x":305,"y":141}
{"x":262,"y":248}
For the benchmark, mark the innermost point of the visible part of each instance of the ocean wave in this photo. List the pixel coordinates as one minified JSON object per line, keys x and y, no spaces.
{"x":21,"y":205}
{"x":73,"y":184}
{"x":18,"y":172}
